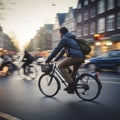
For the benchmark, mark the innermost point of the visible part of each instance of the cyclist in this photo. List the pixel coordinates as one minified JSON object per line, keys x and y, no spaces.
{"x":74,"y":57}
{"x":27,"y":59}
{"x":6,"y":60}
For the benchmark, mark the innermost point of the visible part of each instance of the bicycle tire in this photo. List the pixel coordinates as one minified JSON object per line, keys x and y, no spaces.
{"x":21,"y":72}
{"x":88,"y":87}
{"x":48,"y":85}
{"x":31,"y":75}
{"x":33,"y":72}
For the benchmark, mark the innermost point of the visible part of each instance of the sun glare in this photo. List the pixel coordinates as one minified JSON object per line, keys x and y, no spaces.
{"x":26,"y":17}
{"x":23,"y":33}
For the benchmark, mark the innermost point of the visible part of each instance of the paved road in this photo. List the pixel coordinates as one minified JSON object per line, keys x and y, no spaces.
{"x":22,"y":100}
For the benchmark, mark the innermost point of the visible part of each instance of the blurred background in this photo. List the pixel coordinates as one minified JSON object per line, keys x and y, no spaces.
{"x":33,"y":25}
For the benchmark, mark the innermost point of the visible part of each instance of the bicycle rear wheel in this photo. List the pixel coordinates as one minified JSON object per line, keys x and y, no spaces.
{"x":88,"y":87}
{"x":32,"y":74}
{"x":48,"y":85}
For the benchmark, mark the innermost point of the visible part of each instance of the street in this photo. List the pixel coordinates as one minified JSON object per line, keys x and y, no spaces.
{"x":21,"y":100}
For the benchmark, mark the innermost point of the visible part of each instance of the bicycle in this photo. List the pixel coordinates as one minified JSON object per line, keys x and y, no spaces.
{"x":31,"y":71}
{"x":87,"y":86}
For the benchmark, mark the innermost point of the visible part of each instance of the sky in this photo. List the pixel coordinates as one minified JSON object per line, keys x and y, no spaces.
{"x":24,"y":17}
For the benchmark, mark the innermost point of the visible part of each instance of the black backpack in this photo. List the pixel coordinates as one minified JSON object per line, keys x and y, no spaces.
{"x":84,"y":45}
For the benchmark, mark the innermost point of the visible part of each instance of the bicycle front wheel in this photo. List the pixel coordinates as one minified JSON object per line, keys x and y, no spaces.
{"x":32,"y":72}
{"x":48,"y":85}
{"x":88,"y":87}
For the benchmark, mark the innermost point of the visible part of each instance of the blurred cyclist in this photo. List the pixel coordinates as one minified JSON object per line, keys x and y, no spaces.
{"x":6,"y":60}
{"x":27,"y":59}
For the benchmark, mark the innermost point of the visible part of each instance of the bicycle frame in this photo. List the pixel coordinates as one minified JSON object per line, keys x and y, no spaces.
{"x":57,"y":74}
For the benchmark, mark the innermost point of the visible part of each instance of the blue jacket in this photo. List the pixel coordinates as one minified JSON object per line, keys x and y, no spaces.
{"x":70,"y":44}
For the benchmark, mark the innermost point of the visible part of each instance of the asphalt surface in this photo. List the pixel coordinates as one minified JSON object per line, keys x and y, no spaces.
{"x":21,"y":100}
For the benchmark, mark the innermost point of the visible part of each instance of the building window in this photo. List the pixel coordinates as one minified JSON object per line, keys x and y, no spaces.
{"x":92,"y":28}
{"x":118,"y":2}
{"x":101,"y":6}
{"x":79,"y":6}
{"x":101,"y":25}
{"x":79,"y":18}
{"x":72,"y":26}
{"x":70,"y":15}
{"x":118,"y":21}
{"x":85,"y":15}
{"x":110,"y":23}
{"x":92,"y":12}
{"x":85,"y":29}
{"x":79,"y":31}
{"x":86,"y":2}
{"x":110,"y":4}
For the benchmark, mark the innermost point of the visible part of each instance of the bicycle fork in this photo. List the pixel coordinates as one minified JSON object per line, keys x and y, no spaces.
{"x":51,"y":79}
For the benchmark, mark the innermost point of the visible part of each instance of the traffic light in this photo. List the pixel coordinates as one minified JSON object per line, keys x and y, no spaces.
{"x":97,"y":36}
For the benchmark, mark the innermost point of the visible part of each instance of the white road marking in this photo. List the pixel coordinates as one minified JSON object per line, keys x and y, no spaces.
{"x":7,"y":116}
{"x":110,"y":82}
{"x":111,"y":78}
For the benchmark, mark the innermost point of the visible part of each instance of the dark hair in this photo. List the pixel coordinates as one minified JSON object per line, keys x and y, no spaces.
{"x":63,"y":30}
{"x":25,"y":51}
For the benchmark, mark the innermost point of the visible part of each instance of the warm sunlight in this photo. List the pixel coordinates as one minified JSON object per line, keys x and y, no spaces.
{"x":26,"y":30}
{"x":24,"y":18}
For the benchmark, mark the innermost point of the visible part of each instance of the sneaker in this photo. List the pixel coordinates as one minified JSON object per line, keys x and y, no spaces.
{"x":70,"y":88}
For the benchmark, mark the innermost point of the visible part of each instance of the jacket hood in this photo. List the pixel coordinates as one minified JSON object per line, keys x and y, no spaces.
{"x":69,"y":35}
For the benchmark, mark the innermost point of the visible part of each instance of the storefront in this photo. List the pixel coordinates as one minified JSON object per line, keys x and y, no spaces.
{"x":116,"y":41}
{"x":105,"y":44}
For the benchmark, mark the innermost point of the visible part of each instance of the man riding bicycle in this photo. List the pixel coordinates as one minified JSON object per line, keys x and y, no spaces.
{"x":74,"y":56}
{"x":27,"y":59}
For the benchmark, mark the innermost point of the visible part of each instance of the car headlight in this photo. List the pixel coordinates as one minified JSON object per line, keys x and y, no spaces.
{"x":87,"y":60}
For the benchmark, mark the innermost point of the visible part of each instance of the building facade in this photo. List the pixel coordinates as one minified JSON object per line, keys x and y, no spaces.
{"x":60,"y":17}
{"x":93,"y":18}
{"x":102,"y":18}
{"x":1,"y":38}
{"x":70,"y":20}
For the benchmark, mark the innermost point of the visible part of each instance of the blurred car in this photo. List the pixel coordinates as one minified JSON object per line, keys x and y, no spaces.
{"x":109,"y":61}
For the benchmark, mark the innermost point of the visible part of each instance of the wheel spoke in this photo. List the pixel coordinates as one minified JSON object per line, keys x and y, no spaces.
{"x":48,"y":85}
{"x":88,"y":87}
